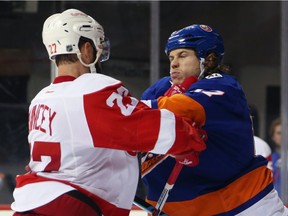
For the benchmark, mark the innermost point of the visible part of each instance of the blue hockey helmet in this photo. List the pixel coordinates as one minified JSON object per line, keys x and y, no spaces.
{"x":202,"y":38}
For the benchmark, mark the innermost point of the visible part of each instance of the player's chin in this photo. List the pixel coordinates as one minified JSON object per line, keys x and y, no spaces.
{"x":177,"y":81}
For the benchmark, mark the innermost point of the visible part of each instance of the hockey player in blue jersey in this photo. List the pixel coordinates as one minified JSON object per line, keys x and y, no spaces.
{"x":230,"y":179}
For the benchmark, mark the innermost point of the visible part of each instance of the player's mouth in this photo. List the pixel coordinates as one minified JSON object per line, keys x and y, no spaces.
{"x":174,"y":74}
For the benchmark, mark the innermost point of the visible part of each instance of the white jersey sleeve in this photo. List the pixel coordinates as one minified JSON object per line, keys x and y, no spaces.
{"x":262,"y":148}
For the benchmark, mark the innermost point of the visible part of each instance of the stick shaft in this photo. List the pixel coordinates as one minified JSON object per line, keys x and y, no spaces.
{"x":146,"y":206}
{"x":175,"y":173}
{"x":169,"y":185}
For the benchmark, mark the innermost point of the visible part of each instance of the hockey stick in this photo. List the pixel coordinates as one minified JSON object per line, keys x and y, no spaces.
{"x":168,"y":186}
{"x":146,"y":206}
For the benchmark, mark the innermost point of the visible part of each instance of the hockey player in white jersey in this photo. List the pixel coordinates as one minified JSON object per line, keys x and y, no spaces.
{"x":85,"y":130}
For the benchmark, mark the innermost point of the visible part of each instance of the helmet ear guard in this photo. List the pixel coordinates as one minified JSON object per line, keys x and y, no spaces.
{"x":62,"y":31}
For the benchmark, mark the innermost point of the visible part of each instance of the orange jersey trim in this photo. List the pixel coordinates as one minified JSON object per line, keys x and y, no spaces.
{"x":225,"y":199}
{"x":150,"y":164}
{"x":184,"y":106}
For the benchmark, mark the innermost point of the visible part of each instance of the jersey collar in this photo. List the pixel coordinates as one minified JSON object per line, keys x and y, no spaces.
{"x":61,"y":79}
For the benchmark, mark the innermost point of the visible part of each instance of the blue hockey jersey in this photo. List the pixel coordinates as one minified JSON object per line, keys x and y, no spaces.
{"x":229,"y":177}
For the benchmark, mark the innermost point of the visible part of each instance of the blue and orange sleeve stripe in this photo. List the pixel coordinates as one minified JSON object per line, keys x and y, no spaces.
{"x":184,"y":106}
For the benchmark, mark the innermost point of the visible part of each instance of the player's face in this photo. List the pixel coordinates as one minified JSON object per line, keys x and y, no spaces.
{"x":183,"y":63}
{"x":277,"y":135}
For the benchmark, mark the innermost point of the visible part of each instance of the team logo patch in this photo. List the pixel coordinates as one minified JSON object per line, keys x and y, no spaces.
{"x":206,"y":28}
{"x":69,"y":48}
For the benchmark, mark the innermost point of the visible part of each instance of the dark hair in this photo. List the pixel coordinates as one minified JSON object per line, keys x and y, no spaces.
{"x":66,"y":58}
{"x":72,"y":58}
{"x":211,"y":65}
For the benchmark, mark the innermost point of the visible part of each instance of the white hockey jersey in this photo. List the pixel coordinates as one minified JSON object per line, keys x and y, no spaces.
{"x":263,"y":148}
{"x":84,"y":134}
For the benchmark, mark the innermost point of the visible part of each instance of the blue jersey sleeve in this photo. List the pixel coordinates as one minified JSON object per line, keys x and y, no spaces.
{"x":157,"y":89}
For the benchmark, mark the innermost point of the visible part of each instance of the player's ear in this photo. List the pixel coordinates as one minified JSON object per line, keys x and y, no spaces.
{"x":87,"y":53}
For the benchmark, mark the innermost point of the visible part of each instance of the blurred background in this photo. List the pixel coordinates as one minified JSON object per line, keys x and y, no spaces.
{"x":138,"y":31}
